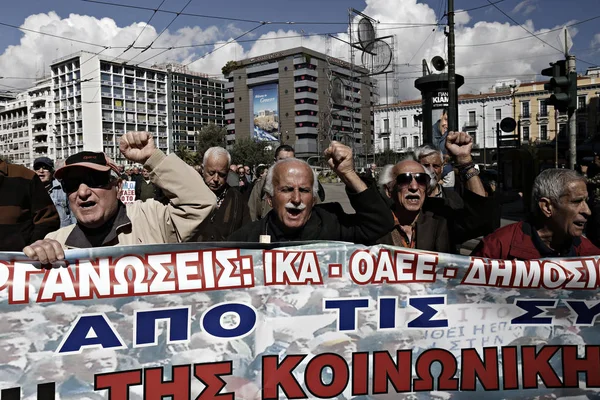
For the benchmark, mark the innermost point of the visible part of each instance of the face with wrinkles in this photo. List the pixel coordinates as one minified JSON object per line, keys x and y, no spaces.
{"x":408,"y":194}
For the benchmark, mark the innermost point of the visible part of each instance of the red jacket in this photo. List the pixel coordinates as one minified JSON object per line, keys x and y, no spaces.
{"x":515,"y":241}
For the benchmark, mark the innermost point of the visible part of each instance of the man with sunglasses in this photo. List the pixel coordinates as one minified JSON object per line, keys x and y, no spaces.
{"x":428,"y":223}
{"x":91,"y":181}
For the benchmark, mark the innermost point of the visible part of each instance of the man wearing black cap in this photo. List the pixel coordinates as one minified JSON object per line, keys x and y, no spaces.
{"x":26,"y":211}
{"x":91,"y":181}
{"x":44,"y":168}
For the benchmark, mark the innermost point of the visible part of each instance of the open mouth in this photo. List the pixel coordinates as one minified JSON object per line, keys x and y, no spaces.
{"x":579,"y":224}
{"x":414,"y":199}
{"x":87,"y":204}
{"x":294,"y":212}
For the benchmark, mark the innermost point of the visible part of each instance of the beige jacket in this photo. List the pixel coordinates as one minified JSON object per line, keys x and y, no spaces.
{"x":151,"y":222}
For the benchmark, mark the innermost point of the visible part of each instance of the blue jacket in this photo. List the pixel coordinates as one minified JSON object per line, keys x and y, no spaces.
{"x":61,"y":202}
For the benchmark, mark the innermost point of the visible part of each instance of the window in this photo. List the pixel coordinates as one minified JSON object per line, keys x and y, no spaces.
{"x":543,"y":109}
{"x":472,"y":118}
{"x":543,"y":132}
{"x":386,"y":125}
{"x":403,"y":143}
{"x":473,"y":135}
{"x":404,"y":122}
{"x":386,"y":143}
{"x":415,"y":141}
{"x":581,"y":106}
{"x":498,"y":112}
{"x":415,"y":120}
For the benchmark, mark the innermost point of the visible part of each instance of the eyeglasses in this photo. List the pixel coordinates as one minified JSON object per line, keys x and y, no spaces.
{"x":93,"y":179}
{"x":42,"y":167}
{"x":405,"y":179}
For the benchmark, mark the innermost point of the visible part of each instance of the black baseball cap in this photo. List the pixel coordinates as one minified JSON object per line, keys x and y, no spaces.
{"x":87,"y":159}
{"x":38,"y":162}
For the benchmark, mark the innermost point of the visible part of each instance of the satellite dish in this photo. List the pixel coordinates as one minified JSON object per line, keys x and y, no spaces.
{"x":366,"y":34}
{"x":380,"y":60}
{"x":508,"y":124}
{"x":438,"y":63}
{"x":337,"y":90}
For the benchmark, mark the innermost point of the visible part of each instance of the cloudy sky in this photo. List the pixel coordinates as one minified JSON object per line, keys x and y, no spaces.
{"x":491,"y":45}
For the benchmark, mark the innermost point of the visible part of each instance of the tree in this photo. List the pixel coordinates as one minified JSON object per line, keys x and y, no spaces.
{"x":386,"y":157}
{"x":210,"y":135}
{"x":190,"y":157}
{"x":251,"y":153}
{"x":229,"y":67}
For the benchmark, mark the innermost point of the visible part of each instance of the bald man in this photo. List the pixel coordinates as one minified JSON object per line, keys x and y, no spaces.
{"x":292,"y":191}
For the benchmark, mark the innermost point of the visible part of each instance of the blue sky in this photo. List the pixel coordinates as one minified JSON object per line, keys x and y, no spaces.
{"x":485,"y":25}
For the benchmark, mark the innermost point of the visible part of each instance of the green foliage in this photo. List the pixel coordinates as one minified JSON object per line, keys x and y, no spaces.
{"x":229,"y":67}
{"x":251,"y":153}
{"x":190,"y":157}
{"x":210,"y":135}
{"x":387,"y":157}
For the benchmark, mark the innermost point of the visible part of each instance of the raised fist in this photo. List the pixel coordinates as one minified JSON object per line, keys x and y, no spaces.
{"x":339,"y":158}
{"x":459,"y":145}
{"x":137,"y":146}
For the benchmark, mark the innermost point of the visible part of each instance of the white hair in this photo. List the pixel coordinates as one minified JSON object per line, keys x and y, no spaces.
{"x":385,"y":176}
{"x":552,"y":184}
{"x":269,"y":179}
{"x":216,"y":152}
{"x":426,"y":151}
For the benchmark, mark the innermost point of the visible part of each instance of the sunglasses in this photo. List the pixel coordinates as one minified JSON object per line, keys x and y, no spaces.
{"x":405,"y":179}
{"x":93,"y":180}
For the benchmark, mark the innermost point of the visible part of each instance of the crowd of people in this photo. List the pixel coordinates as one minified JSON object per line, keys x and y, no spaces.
{"x":407,"y":204}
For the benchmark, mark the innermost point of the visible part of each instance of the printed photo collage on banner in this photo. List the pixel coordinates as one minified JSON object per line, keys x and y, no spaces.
{"x":314,"y":321}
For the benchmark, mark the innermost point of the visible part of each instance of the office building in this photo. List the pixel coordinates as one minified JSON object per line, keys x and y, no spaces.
{"x":97,"y":99}
{"x":302,"y":98}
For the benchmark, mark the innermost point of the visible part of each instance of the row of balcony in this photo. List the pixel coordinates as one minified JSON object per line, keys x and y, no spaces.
{"x":65,"y":95}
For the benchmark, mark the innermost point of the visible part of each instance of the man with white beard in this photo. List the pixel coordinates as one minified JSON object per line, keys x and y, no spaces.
{"x":292,"y":187}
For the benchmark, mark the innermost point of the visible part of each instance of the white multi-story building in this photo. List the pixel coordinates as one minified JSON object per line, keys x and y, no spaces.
{"x":97,"y":99}
{"x":40,"y":101}
{"x":15,"y":140}
{"x":397,"y":128}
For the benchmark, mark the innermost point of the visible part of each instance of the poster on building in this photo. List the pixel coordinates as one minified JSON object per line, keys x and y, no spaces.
{"x":265,"y":112}
{"x":128,"y":192}
{"x":439,"y":115}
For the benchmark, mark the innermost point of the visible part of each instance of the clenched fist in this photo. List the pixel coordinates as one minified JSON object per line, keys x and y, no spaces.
{"x":137,"y":146}
{"x":339,"y":158}
{"x":459,"y":145}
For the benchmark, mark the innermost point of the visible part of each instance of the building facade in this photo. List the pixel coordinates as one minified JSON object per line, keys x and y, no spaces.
{"x":397,"y":126}
{"x":15,"y":140}
{"x":302,"y":98}
{"x":40,"y":100}
{"x":97,"y":99}
{"x":196,"y":101}
{"x":540,"y":124}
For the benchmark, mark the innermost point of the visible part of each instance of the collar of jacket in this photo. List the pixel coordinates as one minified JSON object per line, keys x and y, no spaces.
{"x":56,"y":185}
{"x":310,"y":231}
{"x":78,"y":239}
{"x":524,"y":249}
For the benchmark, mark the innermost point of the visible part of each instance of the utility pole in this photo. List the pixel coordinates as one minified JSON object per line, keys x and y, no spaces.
{"x":556,"y":114}
{"x":452,"y":96}
{"x":572,"y":117}
{"x":484,"y":144}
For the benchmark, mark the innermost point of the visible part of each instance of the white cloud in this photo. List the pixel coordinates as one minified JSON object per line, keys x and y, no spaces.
{"x":596,"y":41}
{"x":481,"y":65}
{"x":526,"y":7}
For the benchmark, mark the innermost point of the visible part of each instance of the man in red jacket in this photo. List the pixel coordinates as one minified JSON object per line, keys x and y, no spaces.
{"x":559,"y":214}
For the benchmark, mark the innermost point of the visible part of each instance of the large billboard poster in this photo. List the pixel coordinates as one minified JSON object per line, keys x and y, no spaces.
{"x":265,"y":112}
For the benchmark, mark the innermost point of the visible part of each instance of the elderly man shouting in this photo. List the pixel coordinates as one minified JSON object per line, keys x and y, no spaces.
{"x":91,"y":182}
{"x":292,"y":187}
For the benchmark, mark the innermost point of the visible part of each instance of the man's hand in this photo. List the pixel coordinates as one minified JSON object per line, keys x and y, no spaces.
{"x":45,"y":251}
{"x":137,"y":146}
{"x":459,"y":145}
{"x":339,"y":158}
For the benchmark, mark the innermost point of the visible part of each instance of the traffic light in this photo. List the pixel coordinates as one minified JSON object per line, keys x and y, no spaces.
{"x":562,"y":85}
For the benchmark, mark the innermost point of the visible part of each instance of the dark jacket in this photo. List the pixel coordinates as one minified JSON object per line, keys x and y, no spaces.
{"x":432,"y":234}
{"x":228,"y":218}
{"x":520,"y":242}
{"x":329,"y":222}
{"x":27,"y":212}
{"x":469,"y":220}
